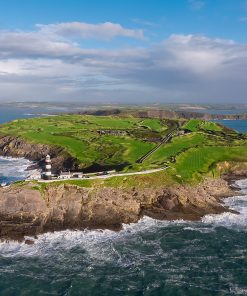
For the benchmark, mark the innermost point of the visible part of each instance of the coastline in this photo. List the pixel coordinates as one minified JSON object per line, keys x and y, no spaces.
{"x":24,"y":211}
{"x":16,"y":147}
{"x":29,"y":210}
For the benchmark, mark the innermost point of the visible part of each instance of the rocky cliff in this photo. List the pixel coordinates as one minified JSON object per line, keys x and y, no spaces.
{"x":24,"y":210}
{"x":18,"y":147}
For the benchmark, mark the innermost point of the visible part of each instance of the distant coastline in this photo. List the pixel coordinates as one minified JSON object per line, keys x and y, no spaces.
{"x":208,"y":112}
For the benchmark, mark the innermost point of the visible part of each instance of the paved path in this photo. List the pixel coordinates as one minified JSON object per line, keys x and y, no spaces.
{"x":107,"y":176}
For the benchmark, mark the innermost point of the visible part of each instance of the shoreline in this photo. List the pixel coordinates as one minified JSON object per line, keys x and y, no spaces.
{"x":31,"y":240}
{"x":29,"y":213}
{"x":31,"y":209}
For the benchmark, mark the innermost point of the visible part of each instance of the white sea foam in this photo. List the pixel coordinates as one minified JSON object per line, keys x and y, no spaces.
{"x":96,"y":242}
{"x":235,"y":290}
{"x":14,"y":167}
{"x":39,"y":114}
{"x":242,"y":184}
{"x":231,"y":220}
{"x":228,"y":220}
{"x":99,"y":243}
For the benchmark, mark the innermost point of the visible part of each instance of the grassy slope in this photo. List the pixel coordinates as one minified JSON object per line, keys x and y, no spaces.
{"x":78,"y":135}
{"x":189,"y":156}
{"x":197,"y":161}
{"x":196,"y":124}
{"x":177,"y":145}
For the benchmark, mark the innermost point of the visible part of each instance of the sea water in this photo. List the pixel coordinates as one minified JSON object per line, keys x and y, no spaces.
{"x":238,"y":125}
{"x":11,"y":113}
{"x":13,"y":169}
{"x":148,"y":258}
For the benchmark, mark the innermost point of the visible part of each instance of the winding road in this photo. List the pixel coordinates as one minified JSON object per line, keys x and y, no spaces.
{"x":106,"y":176}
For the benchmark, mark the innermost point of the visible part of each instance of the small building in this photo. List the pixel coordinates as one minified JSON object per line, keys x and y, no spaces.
{"x":69,"y":175}
{"x":64,"y":175}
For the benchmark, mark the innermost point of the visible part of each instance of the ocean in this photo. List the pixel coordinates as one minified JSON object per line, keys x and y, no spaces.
{"x":147,"y":258}
{"x":150,"y":258}
{"x":238,"y":125}
{"x":13,"y":169}
{"x":8,"y":113}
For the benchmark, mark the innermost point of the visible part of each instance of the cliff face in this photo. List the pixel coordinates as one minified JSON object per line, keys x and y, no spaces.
{"x":17,"y":147}
{"x":26,"y":211}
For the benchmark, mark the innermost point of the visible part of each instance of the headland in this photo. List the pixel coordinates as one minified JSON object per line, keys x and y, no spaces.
{"x":162,"y":168}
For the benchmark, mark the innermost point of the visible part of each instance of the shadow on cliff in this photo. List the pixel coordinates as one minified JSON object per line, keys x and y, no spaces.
{"x":95,"y":167}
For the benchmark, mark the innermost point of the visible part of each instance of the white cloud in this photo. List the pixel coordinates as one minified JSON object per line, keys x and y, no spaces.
{"x":199,"y":53}
{"x":56,"y":39}
{"x":41,"y":65}
{"x":105,"y":30}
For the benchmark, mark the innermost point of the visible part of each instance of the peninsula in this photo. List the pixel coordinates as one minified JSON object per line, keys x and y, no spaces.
{"x":123,"y":167}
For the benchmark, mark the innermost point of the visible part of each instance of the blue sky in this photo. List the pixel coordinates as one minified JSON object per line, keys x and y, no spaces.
{"x":120,"y":51}
{"x":215,"y":18}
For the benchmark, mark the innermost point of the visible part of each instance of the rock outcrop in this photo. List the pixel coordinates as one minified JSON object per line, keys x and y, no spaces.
{"x":18,"y":147}
{"x":24,"y":210}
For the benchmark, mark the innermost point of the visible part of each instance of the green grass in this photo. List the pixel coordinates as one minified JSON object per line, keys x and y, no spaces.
{"x":157,"y":179}
{"x":78,"y":135}
{"x":178,"y":144}
{"x":197,"y":125}
{"x":154,"y":124}
{"x":210,"y":126}
{"x":195,"y":162}
{"x":190,"y":156}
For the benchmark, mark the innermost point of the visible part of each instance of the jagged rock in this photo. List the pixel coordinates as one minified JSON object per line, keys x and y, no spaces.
{"x":26,"y":211}
{"x":17,"y":147}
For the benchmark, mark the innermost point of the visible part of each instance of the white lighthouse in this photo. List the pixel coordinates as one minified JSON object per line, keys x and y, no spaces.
{"x":47,"y":168}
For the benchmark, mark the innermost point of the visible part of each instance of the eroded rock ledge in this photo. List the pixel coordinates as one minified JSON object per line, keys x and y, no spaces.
{"x":25,"y":211}
{"x":18,"y":147}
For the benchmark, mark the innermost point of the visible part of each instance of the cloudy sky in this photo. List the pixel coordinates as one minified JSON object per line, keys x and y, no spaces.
{"x":129,"y":51}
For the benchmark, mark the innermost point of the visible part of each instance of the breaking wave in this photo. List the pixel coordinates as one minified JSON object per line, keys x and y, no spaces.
{"x":95,"y":239}
{"x":150,"y":257}
{"x":87,"y":239}
{"x":13,"y":169}
{"x":232,"y":220}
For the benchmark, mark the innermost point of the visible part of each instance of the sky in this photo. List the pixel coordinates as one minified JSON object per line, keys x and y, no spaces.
{"x":123,"y":51}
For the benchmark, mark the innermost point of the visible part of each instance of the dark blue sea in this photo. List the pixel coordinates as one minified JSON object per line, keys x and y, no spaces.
{"x":151,"y":258}
{"x":238,"y":125}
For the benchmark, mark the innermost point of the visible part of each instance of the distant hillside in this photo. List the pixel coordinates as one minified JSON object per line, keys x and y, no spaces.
{"x":163,"y":113}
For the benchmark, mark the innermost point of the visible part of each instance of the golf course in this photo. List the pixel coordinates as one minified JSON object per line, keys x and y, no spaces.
{"x":194,"y":148}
